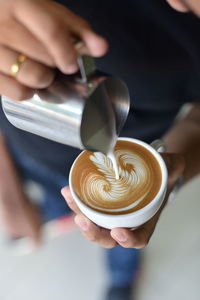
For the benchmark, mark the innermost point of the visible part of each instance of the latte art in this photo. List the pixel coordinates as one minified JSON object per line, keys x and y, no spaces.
{"x":103,"y":190}
{"x":137,"y":185}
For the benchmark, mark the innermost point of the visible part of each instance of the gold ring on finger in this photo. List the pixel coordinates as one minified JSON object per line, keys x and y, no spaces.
{"x":17,"y":65}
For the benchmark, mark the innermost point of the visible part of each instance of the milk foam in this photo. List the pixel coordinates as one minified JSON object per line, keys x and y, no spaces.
{"x":101,"y":189}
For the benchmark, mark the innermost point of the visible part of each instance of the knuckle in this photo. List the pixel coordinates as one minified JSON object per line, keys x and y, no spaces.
{"x":38,"y":79}
{"x":142,"y":245}
{"x":136,"y":243}
{"x":43,"y":78}
{"x":23,"y":93}
{"x":84,"y":25}
{"x":92,"y":234}
{"x":127,"y":245}
{"x":71,"y":205}
{"x":54,"y":31}
{"x":109,"y":245}
{"x":38,"y":76}
{"x":70,"y":59}
{"x":74,"y":207}
{"x":93,"y":237}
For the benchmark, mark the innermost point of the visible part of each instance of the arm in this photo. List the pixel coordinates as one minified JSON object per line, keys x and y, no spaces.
{"x":184,"y":138}
{"x":18,"y":215}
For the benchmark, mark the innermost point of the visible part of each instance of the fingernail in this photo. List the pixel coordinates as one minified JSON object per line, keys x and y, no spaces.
{"x":70,"y":69}
{"x":120,"y":237}
{"x":82,"y":224}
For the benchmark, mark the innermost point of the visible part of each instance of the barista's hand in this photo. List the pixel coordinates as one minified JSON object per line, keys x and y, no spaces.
{"x":136,"y":237}
{"x":186,"y":5}
{"x":43,"y":31}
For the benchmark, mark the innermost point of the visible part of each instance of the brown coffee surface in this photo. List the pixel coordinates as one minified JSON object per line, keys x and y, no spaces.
{"x":94,"y":182}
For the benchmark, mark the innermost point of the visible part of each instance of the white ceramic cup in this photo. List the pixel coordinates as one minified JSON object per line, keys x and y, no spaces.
{"x":136,"y":218}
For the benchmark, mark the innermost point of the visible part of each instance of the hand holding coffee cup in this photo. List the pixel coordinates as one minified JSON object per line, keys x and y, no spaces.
{"x":126,"y":237}
{"x":129,"y":201}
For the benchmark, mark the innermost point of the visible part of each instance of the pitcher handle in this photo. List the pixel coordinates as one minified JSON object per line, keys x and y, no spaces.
{"x":85,"y":62}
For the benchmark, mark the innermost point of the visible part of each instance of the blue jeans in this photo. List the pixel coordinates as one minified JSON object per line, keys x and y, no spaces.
{"x":122,"y":263}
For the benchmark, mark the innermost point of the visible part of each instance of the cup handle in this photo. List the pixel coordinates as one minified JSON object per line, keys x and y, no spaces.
{"x":159,"y":145}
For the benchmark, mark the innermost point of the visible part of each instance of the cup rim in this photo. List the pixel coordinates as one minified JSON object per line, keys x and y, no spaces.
{"x":142,"y":210}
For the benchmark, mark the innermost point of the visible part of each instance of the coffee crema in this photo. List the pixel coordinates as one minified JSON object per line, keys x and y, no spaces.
{"x":94,"y":182}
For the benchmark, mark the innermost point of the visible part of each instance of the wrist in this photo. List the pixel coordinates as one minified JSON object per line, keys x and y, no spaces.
{"x":176,"y":165}
{"x":173,"y":193}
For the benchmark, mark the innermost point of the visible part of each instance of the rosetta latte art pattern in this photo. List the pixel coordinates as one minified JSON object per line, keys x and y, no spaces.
{"x":101,"y":190}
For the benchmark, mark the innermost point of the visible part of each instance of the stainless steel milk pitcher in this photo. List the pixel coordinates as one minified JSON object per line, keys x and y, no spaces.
{"x":86,"y":111}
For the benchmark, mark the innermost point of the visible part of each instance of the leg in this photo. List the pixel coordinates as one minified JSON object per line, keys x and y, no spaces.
{"x":123,"y":264}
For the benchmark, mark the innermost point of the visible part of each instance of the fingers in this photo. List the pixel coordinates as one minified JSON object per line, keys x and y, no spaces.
{"x":127,"y":238}
{"x":179,"y":5}
{"x":31,"y":73}
{"x":13,"y":89}
{"x":54,"y":25}
{"x":91,"y":231}
{"x":95,"y":233}
{"x":94,"y":44}
{"x":137,"y":238}
{"x":50,"y":31}
{"x":15,"y":36}
{"x":130,"y":239}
